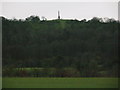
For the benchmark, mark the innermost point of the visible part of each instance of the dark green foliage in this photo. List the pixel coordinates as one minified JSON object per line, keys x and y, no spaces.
{"x":87,"y":46}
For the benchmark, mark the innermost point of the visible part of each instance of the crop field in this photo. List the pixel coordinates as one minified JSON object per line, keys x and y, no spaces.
{"x":27,"y":82}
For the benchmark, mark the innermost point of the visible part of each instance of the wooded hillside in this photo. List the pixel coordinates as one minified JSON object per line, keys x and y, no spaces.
{"x":89,"y":46}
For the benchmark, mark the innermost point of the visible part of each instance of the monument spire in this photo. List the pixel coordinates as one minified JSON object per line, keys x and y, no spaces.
{"x":58,"y":15}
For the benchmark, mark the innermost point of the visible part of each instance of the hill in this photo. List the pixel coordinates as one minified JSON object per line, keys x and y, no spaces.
{"x":89,"y":46}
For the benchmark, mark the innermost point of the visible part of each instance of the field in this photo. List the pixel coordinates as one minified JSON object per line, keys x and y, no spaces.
{"x":60,"y":82}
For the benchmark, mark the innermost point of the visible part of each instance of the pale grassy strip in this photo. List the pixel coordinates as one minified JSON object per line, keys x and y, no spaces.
{"x":60,"y":82}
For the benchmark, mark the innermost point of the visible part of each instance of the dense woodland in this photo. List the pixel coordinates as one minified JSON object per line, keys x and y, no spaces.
{"x":65,"y":48}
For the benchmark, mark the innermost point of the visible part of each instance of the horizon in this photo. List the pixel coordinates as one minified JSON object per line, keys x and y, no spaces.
{"x":104,"y":19}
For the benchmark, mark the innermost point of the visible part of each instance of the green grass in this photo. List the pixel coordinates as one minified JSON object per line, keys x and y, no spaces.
{"x":60,"y":83}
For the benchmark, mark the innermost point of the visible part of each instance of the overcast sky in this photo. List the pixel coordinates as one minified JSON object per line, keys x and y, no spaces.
{"x":68,"y":10}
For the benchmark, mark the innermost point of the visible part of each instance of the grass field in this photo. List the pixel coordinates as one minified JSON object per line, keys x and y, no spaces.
{"x":60,"y":83}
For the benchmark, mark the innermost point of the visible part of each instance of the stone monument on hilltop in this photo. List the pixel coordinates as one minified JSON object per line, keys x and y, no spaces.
{"x":58,"y":15}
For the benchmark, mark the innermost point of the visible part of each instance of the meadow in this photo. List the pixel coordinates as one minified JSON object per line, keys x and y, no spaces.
{"x":28,"y":82}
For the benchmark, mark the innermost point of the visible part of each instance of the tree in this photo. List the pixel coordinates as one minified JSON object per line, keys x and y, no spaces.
{"x":33,"y":19}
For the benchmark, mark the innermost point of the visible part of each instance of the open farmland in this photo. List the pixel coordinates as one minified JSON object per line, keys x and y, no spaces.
{"x":60,"y":82}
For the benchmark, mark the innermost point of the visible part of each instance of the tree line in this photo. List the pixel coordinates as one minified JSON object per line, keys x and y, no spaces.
{"x":89,"y":47}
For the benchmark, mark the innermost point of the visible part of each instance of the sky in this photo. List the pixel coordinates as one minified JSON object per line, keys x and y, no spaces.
{"x":68,"y":10}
